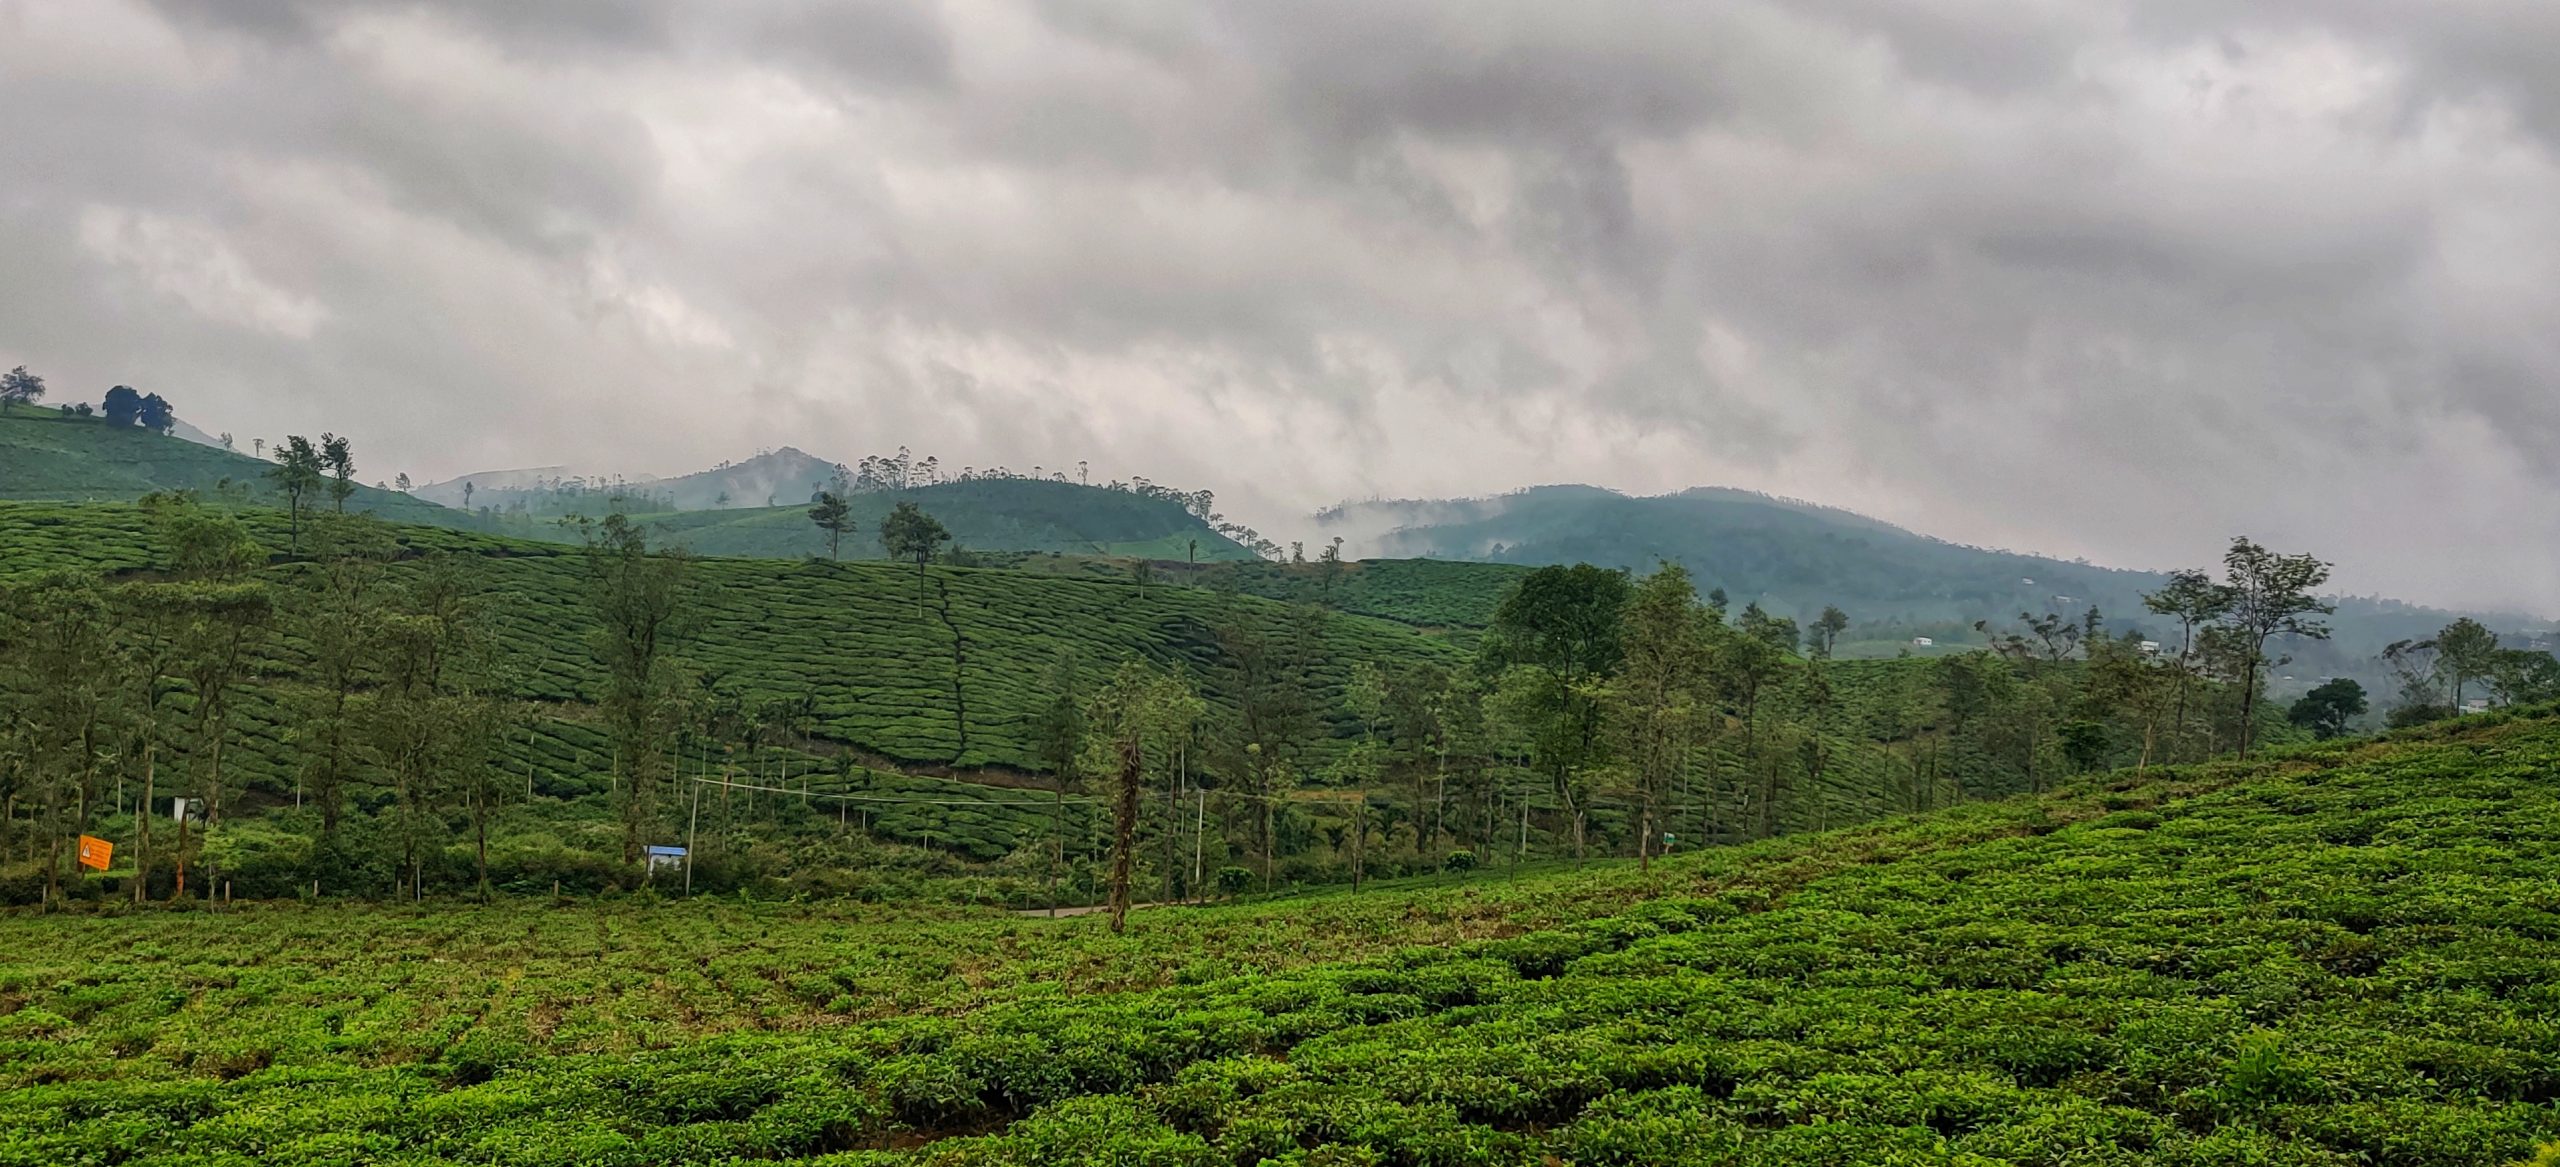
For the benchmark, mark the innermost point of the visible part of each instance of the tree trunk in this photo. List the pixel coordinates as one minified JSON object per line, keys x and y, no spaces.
{"x":1057,"y":839}
{"x":2249,"y":702}
{"x":142,"y":821}
{"x":1644,"y":836}
{"x":1359,"y":839}
{"x":1124,"y":829}
{"x":480,"y":840}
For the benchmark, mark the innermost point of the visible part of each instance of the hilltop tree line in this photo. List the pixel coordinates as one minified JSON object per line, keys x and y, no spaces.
{"x":905,"y":471}
{"x":123,"y":405}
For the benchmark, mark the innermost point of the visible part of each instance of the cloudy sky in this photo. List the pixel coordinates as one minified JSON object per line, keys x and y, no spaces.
{"x":2109,"y":278}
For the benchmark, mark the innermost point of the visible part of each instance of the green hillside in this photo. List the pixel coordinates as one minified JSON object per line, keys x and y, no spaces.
{"x":1795,"y":558}
{"x":2336,"y":957}
{"x":51,"y":457}
{"x":984,"y":515}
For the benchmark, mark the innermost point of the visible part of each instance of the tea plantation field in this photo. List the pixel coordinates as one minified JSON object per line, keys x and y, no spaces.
{"x":2341,"y":955}
{"x":948,"y":665}
{"x":889,"y":659}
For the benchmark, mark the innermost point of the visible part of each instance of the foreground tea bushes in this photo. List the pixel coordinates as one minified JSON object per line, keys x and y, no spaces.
{"x":2337,"y":960}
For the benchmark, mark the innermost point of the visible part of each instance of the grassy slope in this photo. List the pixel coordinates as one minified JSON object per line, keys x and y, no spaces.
{"x":48,"y":457}
{"x":2340,"y":957}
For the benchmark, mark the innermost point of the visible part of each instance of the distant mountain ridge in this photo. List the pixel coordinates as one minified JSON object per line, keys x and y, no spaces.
{"x":1794,"y":557}
{"x":758,"y":507}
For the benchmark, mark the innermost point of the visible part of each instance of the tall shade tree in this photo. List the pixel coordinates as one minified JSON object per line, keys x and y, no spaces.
{"x":1057,"y":742}
{"x":1358,"y":767}
{"x":1136,"y":724}
{"x":340,"y":609}
{"x":299,"y":474}
{"x":122,"y":406}
{"x":910,"y":534}
{"x":1266,"y":676}
{"x":338,"y":459}
{"x":834,"y":516}
{"x":156,"y":415}
{"x":432,"y":722}
{"x":1748,"y":660}
{"x":224,"y":618}
{"x":1416,"y":700}
{"x":20,"y":387}
{"x":2329,"y":709}
{"x":2465,"y":651}
{"x":637,"y":594}
{"x":2193,"y":600}
{"x":1654,"y":698}
{"x":1554,"y":637}
{"x":2268,"y":594}
{"x":1827,"y":630}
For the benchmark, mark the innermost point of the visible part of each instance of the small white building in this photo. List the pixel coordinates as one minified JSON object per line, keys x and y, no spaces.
{"x":1923,"y":642}
{"x":664,"y":858}
{"x":2151,"y":648}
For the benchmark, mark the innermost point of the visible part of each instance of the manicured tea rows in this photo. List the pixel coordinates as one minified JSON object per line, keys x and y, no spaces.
{"x":873,"y":643}
{"x":2336,"y":958}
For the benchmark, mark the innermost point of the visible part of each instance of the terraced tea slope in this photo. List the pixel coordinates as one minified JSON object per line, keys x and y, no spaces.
{"x":2338,"y":957}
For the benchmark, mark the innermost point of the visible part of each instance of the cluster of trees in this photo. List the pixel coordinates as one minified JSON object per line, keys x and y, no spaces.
{"x":126,"y":694}
{"x":305,"y":470}
{"x":2231,"y":632}
{"x":2435,"y":674}
{"x":1600,"y":708}
{"x":907,"y":533}
{"x":123,"y":405}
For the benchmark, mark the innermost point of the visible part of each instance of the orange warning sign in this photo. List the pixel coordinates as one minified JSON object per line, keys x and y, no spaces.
{"x":96,"y":852}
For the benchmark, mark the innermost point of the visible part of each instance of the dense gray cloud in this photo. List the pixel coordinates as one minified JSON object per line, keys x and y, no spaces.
{"x":2112,"y":278}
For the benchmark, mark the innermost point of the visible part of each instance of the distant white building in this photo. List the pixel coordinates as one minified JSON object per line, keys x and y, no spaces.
{"x":2475,"y":705}
{"x":2151,"y":648}
{"x":1923,"y":642}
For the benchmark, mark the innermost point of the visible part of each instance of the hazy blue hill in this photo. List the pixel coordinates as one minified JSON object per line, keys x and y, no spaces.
{"x":1794,"y":557}
{"x":988,"y":514}
{"x":48,"y":457}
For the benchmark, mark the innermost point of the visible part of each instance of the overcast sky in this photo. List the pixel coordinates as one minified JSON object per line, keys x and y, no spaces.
{"x":2108,"y":278}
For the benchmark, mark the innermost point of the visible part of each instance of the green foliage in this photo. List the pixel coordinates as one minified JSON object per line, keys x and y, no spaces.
{"x":2328,"y":709}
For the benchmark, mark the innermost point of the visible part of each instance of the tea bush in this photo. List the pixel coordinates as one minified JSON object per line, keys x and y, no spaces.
{"x":2037,"y":982}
